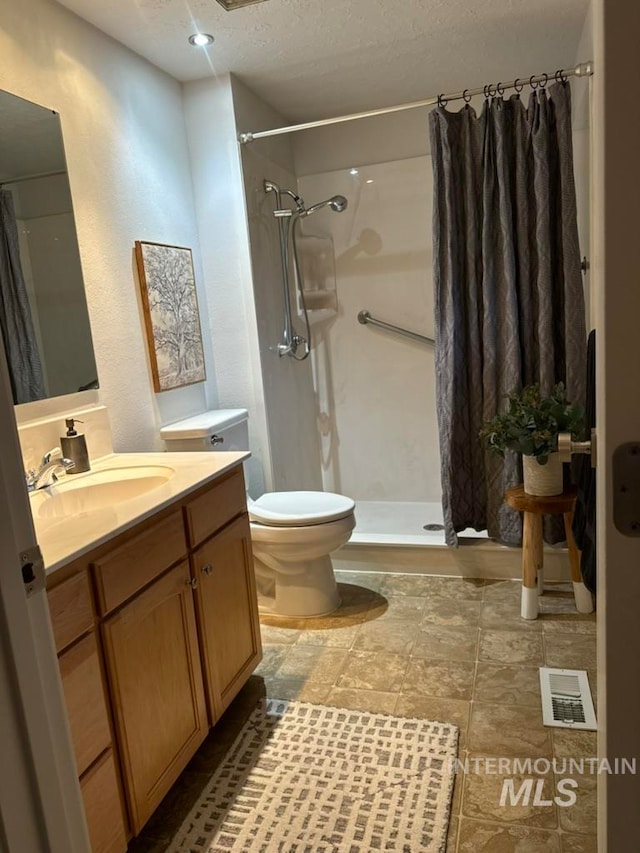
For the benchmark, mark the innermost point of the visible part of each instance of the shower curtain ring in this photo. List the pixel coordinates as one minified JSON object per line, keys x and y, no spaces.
{"x":492,"y":90}
{"x":543,"y":83}
{"x":500,"y":89}
{"x":561,"y":77}
{"x":516,"y":87}
{"x":532,"y":83}
{"x":441,"y":101}
{"x":485,"y":90}
{"x":466,"y":97}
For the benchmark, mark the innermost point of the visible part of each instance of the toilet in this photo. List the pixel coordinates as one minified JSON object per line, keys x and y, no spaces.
{"x":293,"y":533}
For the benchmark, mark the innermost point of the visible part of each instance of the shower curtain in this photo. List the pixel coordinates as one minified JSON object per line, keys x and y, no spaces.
{"x":23,"y":357}
{"x":509,"y":301}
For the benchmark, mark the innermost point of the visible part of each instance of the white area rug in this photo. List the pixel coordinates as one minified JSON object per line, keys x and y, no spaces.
{"x":306,"y":778}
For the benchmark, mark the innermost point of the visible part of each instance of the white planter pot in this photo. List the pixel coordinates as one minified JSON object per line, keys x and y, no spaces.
{"x":542,"y":480}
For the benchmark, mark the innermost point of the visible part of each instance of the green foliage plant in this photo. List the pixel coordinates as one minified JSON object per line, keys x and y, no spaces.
{"x":531,"y":423}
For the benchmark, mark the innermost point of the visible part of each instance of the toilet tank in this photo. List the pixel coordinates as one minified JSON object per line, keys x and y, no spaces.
{"x":219,"y":429}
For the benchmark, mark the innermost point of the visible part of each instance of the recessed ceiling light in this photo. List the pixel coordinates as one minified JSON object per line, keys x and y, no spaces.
{"x":201,"y":39}
{"x":230,"y":5}
{"x":369,"y":181}
{"x":354,"y":172}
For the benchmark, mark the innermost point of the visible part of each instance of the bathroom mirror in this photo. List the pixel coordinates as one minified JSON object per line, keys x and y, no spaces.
{"x":43,"y":309}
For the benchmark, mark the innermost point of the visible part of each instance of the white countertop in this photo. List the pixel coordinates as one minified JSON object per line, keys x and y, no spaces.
{"x":65,"y":538}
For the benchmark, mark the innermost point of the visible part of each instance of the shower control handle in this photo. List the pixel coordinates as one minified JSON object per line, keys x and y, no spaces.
{"x":217,"y":439}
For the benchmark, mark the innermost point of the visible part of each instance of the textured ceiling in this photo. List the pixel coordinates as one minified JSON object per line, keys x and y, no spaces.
{"x":315,"y":58}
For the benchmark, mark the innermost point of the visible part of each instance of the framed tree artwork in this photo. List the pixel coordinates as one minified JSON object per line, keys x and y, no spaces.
{"x":171,"y":316}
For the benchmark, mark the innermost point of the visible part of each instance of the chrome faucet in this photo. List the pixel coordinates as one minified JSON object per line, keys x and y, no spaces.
{"x":46,"y":475}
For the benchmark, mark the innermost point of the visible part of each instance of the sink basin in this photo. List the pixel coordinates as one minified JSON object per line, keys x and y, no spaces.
{"x":97,"y":490}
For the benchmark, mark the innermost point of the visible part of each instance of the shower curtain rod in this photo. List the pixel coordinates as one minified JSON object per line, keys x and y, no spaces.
{"x":583,"y":69}
{"x":31,"y":177}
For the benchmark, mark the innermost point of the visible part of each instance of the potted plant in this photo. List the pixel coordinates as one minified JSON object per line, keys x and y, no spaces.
{"x":530,"y":426}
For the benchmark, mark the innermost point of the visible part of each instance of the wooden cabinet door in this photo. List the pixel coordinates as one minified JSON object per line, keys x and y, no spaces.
{"x":156,"y":687}
{"x":227,"y":613}
{"x":85,"y":700}
{"x":71,"y":609}
{"x":102,"y":806}
{"x":215,"y":508}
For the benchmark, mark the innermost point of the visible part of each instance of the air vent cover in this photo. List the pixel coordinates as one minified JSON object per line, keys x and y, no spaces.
{"x":230,"y":5}
{"x":566,"y":699}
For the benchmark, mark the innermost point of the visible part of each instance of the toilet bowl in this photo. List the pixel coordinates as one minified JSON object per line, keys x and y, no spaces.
{"x":292,"y":533}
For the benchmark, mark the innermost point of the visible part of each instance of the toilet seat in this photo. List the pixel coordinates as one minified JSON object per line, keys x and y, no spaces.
{"x":302,"y":536}
{"x":299,"y":509}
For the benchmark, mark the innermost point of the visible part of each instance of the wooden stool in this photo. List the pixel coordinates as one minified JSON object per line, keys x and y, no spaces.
{"x":534,"y":507}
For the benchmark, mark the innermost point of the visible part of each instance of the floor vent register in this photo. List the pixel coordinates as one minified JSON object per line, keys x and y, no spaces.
{"x":566,"y":699}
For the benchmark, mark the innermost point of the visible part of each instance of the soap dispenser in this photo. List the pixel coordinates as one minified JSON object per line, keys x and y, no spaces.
{"x":74,"y":447}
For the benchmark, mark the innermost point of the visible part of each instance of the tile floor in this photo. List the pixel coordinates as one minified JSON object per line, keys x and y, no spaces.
{"x":454,"y":650}
{"x":442,"y":649}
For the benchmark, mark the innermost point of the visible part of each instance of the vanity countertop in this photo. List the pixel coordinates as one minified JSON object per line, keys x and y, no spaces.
{"x":63,"y":538}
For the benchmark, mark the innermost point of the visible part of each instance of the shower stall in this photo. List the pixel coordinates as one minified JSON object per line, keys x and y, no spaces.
{"x":358,"y":416}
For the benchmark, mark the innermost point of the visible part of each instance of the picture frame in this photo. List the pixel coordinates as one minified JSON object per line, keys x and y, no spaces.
{"x":171,"y":315}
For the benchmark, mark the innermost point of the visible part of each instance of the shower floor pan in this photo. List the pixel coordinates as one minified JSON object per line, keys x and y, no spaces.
{"x":402,"y":523}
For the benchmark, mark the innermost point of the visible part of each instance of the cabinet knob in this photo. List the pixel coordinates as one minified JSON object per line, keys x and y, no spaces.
{"x":217,"y":439}
{"x":192,"y":582}
{"x":208,"y":569}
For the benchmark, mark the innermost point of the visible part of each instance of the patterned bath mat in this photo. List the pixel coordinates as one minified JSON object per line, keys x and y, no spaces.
{"x":304,"y":778}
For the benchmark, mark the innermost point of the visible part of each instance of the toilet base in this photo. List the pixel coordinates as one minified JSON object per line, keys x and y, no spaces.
{"x":305,"y":588}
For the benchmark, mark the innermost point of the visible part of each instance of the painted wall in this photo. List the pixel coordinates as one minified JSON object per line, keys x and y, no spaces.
{"x":288,"y":384}
{"x":220,"y":211}
{"x":128,"y":162}
{"x":582,"y":92}
{"x":582,"y":175}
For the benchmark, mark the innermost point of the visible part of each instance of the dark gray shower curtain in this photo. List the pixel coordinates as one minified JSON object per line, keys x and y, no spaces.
{"x":16,"y":325}
{"x":509,"y":301}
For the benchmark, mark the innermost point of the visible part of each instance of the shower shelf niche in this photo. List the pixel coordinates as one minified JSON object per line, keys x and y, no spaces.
{"x":317,"y":261}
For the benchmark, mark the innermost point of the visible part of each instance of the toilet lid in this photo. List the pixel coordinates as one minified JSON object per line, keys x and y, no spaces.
{"x":292,"y":509}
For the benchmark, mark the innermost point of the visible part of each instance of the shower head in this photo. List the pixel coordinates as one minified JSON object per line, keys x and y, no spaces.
{"x":336,"y":202}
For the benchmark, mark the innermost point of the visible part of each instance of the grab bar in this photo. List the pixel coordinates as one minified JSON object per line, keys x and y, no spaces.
{"x":365,"y":318}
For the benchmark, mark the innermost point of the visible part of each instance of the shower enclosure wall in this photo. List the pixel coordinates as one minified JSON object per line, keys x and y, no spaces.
{"x":376,"y":389}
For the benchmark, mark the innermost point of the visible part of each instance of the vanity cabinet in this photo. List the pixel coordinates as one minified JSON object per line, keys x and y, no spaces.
{"x":178,"y":631}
